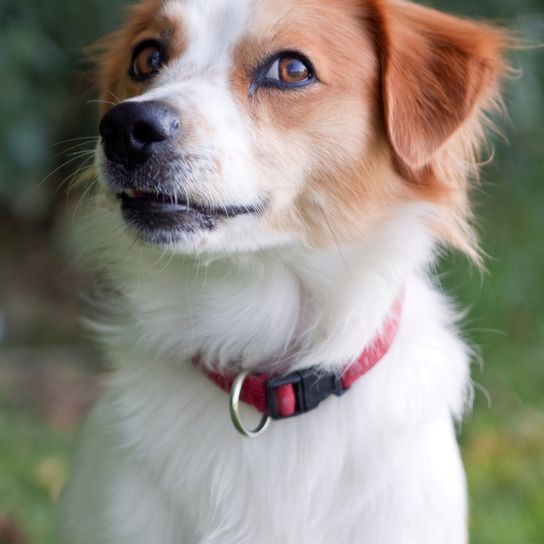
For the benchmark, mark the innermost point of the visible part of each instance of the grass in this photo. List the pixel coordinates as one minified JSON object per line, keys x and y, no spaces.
{"x":33,"y":464}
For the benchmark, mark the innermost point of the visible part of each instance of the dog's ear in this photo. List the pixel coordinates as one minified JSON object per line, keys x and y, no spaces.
{"x":436,"y":70}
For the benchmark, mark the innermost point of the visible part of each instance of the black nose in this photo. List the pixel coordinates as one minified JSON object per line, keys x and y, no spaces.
{"x":132,"y":132}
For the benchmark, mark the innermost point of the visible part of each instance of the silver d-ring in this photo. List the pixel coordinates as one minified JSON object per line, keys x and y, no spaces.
{"x":234,"y":408}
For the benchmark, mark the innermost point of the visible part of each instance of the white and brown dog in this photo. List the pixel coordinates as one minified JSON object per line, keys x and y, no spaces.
{"x":289,"y":167}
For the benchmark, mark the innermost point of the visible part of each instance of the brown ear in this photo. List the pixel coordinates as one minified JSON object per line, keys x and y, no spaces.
{"x":436,"y":70}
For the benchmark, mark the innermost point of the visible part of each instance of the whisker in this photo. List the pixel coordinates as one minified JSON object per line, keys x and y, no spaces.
{"x":167,"y":262}
{"x":102,"y":101}
{"x":91,"y":218}
{"x":342,"y":256}
{"x":164,"y":251}
{"x":82,"y":198}
{"x":115,"y":97}
{"x":65,"y":152}
{"x":73,"y":175}
{"x":80,"y":153}
{"x":188,"y":201}
{"x":129,"y":248}
{"x":88,"y":175}
{"x":57,"y":169}
{"x":75,"y":140}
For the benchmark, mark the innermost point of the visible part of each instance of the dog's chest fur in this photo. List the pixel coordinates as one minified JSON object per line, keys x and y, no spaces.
{"x":161,"y":461}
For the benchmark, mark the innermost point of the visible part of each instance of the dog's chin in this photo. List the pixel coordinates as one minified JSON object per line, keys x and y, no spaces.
{"x":167,"y":221}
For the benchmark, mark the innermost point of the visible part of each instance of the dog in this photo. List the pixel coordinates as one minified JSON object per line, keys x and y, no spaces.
{"x":277,"y":178}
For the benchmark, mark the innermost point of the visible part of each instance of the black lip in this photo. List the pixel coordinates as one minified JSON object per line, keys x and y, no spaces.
{"x":163,"y":219}
{"x":157,"y":204}
{"x":166,"y":203}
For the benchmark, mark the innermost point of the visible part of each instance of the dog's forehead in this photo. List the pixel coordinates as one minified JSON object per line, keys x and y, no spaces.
{"x":211,"y":28}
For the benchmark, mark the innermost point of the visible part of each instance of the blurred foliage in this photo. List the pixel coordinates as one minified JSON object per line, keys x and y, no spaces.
{"x":44,"y":100}
{"x":44,"y":93}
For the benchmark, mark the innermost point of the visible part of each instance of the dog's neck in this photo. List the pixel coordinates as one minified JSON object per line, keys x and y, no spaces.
{"x":283,"y":308}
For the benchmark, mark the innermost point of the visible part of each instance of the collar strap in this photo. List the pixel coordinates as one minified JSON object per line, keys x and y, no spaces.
{"x":284,"y":396}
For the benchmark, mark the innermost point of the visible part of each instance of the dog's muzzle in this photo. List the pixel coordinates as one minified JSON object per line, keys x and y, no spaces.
{"x":142,"y":164}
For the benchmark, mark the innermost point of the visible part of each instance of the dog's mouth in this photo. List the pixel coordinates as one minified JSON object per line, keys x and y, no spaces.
{"x":142,"y":200}
{"x":164,"y":219}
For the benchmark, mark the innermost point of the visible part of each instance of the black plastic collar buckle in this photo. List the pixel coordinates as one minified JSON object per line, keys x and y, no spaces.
{"x":311,"y":387}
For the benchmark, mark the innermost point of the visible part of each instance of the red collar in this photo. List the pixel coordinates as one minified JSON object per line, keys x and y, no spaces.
{"x":280,"y":397}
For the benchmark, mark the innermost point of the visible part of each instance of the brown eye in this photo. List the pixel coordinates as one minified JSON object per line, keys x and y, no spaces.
{"x":290,"y":70}
{"x":293,"y":70}
{"x":147,"y":60}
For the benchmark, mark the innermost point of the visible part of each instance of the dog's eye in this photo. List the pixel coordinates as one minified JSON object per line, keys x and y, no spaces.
{"x":290,"y":70}
{"x":147,"y":59}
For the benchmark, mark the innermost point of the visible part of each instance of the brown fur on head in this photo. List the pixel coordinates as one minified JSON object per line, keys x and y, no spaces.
{"x":398,"y":114}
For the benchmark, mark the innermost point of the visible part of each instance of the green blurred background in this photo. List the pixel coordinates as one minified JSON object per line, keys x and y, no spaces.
{"x":49,"y":369}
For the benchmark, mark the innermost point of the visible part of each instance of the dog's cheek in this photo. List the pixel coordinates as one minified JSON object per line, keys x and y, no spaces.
{"x":322,"y":152}
{"x":330,"y":172}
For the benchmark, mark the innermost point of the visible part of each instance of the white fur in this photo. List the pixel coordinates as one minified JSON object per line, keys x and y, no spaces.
{"x":160,"y":462}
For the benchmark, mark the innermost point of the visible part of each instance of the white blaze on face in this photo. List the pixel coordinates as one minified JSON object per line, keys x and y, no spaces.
{"x":214,"y":130}
{"x":213,"y":28}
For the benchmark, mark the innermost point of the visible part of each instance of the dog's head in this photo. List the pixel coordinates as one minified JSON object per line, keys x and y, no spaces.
{"x":242,"y":125}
